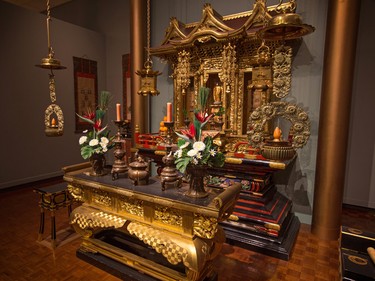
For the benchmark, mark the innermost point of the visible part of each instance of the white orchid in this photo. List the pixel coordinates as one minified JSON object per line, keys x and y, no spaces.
{"x":93,"y":142}
{"x":199,"y":145}
{"x":82,"y":139}
{"x":192,"y":152}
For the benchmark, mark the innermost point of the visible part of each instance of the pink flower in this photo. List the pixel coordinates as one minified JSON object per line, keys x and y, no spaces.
{"x":190,"y":133}
{"x":203,"y":117}
{"x":98,"y":125}
{"x":89,"y":115}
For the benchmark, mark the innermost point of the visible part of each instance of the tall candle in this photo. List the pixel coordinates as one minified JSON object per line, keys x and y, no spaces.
{"x":118,"y":111}
{"x":169,"y":112}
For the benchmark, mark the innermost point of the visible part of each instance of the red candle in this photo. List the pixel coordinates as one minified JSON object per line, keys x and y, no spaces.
{"x":118,"y":111}
{"x":169,"y":112}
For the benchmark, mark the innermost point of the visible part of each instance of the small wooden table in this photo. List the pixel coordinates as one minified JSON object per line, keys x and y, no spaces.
{"x":53,"y":198}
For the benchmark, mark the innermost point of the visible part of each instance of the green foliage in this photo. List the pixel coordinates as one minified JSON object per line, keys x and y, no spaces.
{"x":97,"y":139}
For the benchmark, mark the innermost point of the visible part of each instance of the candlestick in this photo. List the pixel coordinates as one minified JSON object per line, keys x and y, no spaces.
{"x":118,"y":111}
{"x":119,"y":166}
{"x":169,"y":112}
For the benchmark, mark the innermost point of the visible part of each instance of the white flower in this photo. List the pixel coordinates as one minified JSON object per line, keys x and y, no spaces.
{"x":178,"y":153}
{"x":93,"y":142}
{"x":186,"y":144}
{"x":104,"y":140}
{"x":199,"y":145}
{"x":103,"y":145}
{"x":195,"y":161}
{"x":192,"y":152}
{"x":85,"y":131}
{"x":212,"y":152}
{"x":199,"y":155}
{"x":105,"y":149}
{"x":82,"y":139}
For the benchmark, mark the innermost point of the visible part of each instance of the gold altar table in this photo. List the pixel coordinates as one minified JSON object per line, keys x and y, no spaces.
{"x":182,"y":232}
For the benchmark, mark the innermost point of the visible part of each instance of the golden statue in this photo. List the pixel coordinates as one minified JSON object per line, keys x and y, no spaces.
{"x":217,"y":92}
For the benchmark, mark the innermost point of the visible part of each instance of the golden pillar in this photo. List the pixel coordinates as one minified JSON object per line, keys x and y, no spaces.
{"x":138,"y":31}
{"x":339,"y":62}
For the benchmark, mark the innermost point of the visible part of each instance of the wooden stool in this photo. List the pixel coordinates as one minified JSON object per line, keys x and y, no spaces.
{"x":53,"y":198}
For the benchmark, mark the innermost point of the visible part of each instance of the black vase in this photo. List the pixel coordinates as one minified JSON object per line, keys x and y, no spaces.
{"x":197,"y":174}
{"x":97,"y":162}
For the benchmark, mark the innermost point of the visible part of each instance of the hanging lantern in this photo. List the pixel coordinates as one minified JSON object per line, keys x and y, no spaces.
{"x":148,"y":80}
{"x":53,"y":116}
{"x":148,"y":76}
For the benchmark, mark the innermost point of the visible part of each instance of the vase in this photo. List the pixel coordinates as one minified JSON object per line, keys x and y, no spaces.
{"x":197,"y":174}
{"x":97,"y":162}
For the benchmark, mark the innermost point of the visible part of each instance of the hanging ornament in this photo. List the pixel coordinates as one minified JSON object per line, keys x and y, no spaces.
{"x":287,"y":25}
{"x":53,"y":117}
{"x":183,"y":70}
{"x":148,"y":83}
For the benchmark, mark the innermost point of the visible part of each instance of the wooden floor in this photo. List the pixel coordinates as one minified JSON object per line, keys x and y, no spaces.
{"x":23,"y":258}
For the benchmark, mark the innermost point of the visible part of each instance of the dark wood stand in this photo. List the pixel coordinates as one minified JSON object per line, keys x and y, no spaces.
{"x":262,"y":219}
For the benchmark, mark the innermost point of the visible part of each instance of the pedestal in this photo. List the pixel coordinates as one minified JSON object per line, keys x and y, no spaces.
{"x":161,"y":233}
{"x":120,"y":240}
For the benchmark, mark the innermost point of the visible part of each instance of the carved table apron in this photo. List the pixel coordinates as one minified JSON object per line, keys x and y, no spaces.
{"x":183,"y":229}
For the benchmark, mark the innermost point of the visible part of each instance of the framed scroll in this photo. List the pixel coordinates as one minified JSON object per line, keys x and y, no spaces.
{"x":126,"y":86}
{"x":85,"y":90}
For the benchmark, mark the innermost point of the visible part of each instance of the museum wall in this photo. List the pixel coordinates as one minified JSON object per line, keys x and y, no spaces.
{"x":360,"y":169}
{"x":29,"y":154}
{"x":33,"y":156}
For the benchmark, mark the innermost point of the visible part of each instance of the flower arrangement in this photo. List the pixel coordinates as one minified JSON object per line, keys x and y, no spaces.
{"x":97,"y":140}
{"x":194,"y":149}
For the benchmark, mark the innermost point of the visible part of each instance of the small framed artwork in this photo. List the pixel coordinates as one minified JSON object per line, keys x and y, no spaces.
{"x":85,"y":90}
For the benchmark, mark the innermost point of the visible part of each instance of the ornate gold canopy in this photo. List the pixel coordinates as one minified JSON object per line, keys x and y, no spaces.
{"x":227,"y":52}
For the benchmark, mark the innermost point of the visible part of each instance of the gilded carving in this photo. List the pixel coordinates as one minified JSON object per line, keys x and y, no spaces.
{"x":205,"y":227}
{"x":282,"y":75}
{"x":183,"y":70}
{"x":300,"y":124}
{"x":101,"y":198}
{"x":89,"y":218}
{"x":168,"y":216}
{"x":131,"y":206}
{"x":160,"y":242}
{"x":77,"y":192}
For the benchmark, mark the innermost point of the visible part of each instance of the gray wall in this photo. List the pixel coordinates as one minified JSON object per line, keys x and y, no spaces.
{"x":360,"y":172}
{"x":29,"y":154}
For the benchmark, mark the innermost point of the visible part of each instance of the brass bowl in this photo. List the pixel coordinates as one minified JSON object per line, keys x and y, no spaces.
{"x":278,"y":150}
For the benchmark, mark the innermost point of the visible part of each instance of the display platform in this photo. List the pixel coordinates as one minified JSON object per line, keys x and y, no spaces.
{"x":162,"y":233}
{"x":239,"y":234}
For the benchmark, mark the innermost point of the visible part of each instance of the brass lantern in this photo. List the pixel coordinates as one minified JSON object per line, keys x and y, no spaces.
{"x":148,"y":80}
